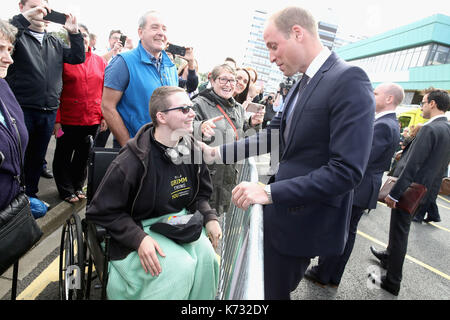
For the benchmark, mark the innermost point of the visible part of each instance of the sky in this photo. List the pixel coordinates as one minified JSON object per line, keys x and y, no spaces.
{"x":218,"y":29}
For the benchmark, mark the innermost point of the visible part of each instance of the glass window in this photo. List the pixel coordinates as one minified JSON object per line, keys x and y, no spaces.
{"x":386,"y":61}
{"x":408,"y":57}
{"x":395,"y":61}
{"x":390,"y":61}
{"x":431,"y":55}
{"x":415,"y":57}
{"x":423,"y":56}
{"x":400,"y":60}
{"x":441,"y":55}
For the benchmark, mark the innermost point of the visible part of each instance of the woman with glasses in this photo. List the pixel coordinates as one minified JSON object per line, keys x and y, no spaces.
{"x":79,"y":116}
{"x":153,"y":182}
{"x":221,"y":119}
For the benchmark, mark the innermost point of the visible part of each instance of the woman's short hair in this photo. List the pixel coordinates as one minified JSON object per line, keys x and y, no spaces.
{"x":160,"y":100}
{"x":7,"y":31}
{"x":218,"y":70}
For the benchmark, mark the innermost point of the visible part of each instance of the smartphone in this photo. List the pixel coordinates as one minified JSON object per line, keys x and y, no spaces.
{"x":178,"y":50}
{"x":60,"y":133}
{"x":255,"y":107}
{"x":123,"y":39}
{"x":56,"y":17}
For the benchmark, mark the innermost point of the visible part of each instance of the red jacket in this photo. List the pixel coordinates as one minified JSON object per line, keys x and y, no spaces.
{"x":81,"y":97}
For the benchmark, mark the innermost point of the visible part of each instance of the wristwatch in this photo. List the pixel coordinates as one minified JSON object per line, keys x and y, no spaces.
{"x":269,"y":192}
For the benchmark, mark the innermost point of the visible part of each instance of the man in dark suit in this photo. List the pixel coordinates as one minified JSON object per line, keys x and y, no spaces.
{"x":324,"y":135}
{"x":386,"y":137}
{"x":426,"y":162}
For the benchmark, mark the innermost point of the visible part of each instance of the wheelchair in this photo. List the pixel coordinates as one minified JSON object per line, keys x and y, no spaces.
{"x":84,"y":244}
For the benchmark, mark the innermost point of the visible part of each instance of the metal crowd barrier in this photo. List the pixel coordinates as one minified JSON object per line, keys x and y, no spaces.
{"x":241,"y":271}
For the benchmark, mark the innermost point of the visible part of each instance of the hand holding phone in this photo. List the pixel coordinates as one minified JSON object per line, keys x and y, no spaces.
{"x":255,"y":107}
{"x":123,"y":39}
{"x":176,"y":50}
{"x":57,"y":17}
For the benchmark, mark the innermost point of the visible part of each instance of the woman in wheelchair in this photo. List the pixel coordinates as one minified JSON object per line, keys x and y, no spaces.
{"x":144,"y":201}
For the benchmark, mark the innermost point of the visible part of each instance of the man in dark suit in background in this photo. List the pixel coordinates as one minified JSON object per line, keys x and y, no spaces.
{"x":426,"y":162}
{"x":325,"y":136}
{"x":386,"y":137}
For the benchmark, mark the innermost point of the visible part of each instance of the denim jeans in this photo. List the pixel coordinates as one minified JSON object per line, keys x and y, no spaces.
{"x":40,"y":125}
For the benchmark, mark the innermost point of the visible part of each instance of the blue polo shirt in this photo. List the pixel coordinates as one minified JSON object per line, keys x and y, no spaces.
{"x":137,"y":74}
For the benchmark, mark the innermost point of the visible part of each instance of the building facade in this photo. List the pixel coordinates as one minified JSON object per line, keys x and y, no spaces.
{"x":416,"y":56}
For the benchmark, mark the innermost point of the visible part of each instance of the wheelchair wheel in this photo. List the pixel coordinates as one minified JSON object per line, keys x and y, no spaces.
{"x":71,"y":260}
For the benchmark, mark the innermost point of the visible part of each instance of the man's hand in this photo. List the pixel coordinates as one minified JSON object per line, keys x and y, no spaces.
{"x":147,"y":254}
{"x":257,"y":118}
{"x":389,"y":202}
{"x":214,"y":232}
{"x":56,"y":129}
{"x":189,"y":57}
{"x":248,"y":193}
{"x":208,"y":127}
{"x":37,"y":13}
{"x":210,"y":154}
{"x":71,"y":24}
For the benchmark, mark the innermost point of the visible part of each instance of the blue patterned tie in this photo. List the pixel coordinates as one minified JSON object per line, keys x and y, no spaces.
{"x":295,"y":97}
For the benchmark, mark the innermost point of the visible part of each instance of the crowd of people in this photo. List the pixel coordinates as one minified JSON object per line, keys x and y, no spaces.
{"x":164,"y":120}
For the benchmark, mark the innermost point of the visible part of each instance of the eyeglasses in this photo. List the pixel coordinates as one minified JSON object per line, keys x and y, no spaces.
{"x":184,"y":109}
{"x":225,"y":81}
{"x":423,"y":103}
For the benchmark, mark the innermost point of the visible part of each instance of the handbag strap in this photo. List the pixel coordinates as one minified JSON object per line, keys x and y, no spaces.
{"x":229,"y":121}
{"x":14,"y":122}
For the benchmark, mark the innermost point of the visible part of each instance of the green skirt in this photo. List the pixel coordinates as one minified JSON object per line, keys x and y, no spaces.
{"x":189,"y":271}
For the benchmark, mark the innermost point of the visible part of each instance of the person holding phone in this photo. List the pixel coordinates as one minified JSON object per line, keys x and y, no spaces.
{"x":187,"y":72}
{"x":79,"y":116}
{"x":35,"y":77}
{"x":220,"y":116}
{"x":132,"y":76}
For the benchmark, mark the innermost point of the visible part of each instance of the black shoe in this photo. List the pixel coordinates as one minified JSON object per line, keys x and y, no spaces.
{"x":431,"y":220}
{"x":311,"y":275}
{"x":380,"y":255}
{"x":46,"y":173}
{"x":385,"y":284}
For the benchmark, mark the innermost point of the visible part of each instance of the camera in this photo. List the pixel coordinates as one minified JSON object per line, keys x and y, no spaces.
{"x":287,"y":84}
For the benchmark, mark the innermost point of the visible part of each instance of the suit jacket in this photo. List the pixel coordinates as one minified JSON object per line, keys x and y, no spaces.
{"x":322,"y":161}
{"x":427,"y":160}
{"x":386,"y":137}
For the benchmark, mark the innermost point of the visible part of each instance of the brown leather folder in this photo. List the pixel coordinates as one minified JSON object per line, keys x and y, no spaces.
{"x":409,"y":200}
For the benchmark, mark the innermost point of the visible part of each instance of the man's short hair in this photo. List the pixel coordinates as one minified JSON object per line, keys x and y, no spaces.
{"x":114,"y":31}
{"x":8,"y":31}
{"x":441,"y":98}
{"x":285,"y":19}
{"x":230,"y":59}
{"x":160,"y":100}
{"x":81,"y":25}
{"x":143,"y":19}
{"x":215,"y":73}
{"x":396,"y":91}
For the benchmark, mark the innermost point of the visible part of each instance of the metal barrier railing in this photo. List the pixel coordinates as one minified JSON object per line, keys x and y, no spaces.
{"x":242,"y":269}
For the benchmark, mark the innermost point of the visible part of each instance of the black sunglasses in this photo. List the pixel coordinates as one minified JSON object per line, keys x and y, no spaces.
{"x":184,"y":109}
